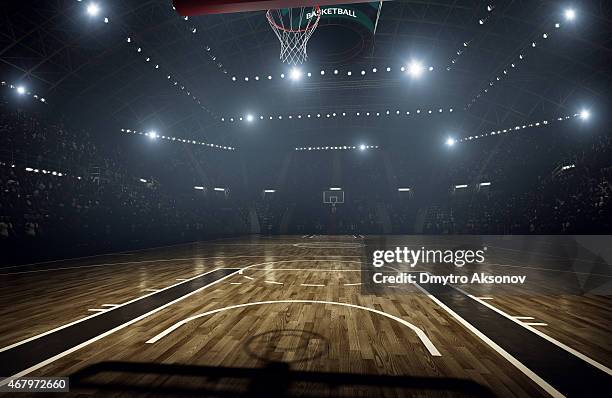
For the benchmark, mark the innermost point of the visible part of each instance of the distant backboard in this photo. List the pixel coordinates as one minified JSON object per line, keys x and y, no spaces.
{"x":202,"y":7}
{"x":333,"y":197}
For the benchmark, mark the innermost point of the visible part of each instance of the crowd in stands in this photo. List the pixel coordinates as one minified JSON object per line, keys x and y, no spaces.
{"x":131,"y":193}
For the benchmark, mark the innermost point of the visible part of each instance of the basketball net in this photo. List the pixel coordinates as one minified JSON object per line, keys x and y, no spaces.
{"x":293,"y":27}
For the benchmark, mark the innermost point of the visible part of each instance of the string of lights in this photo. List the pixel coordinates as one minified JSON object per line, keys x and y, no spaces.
{"x":152,"y":135}
{"x":466,"y":44}
{"x":414,"y":69}
{"x":94,"y":11}
{"x":207,"y":50}
{"x":23,"y":91}
{"x":44,"y":171}
{"x":570,"y":15}
{"x":53,"y":173}
{"x":361,"y":147}
{"x":583,"y":115}
{"x":250,"y":118}
{"x":169,"y":78}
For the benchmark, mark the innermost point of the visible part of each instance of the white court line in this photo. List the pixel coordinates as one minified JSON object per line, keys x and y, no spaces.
{"x":536,"y":324}
{"x":518,"y":364}
{"x":248,"y":277}
{"x":329,"y":245}
{"x":96,"y":309}
{"x":163,"y":260}
{"x":94,"y":339}
{"x":353,"y":284}
{"x":181,"y":279}
{"x":543,"y":335}
{"x":311,"y":284}
{"x":304,"y":269}
{"x":524,"y":317}
{"x":484,"y":298}
{"x":419,"y":332}
{"x":274,"y":282}
{"x":91,"y":316}
{"x":235,"y":283}
{"x":67,"y":259}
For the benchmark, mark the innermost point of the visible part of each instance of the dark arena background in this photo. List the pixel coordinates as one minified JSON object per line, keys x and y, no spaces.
{"x":305,"y":199}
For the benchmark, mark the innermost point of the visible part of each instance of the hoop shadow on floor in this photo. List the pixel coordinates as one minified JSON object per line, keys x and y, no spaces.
{"x":275,"y":379}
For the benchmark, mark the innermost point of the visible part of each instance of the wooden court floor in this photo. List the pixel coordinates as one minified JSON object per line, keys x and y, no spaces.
{"x":280,"y":316}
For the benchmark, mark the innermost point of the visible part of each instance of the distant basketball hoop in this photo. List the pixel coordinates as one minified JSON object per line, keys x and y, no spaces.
{"x":293,"y":27}
{"x":333,"y":198}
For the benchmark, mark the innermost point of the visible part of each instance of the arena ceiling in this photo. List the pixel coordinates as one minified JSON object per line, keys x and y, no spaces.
{"x":88,"y":71}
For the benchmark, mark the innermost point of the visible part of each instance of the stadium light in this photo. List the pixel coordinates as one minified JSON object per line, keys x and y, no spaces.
{"x":335,"y":189}
{"x":295,"y":74}
{"x":21,"y":90}
{"x":198,"y":188}
{"x":220,"y":189}
{"x":585,"y":114}
{"x":461,"y":186}
{"x":269,"y":190}
{"x":249,"y":118}
{"x":485,"y":184}
{"x":570,"y":14}
{"x":152,"y":135}
{"x":415,"y":69}
{"x":93,"y":9}
{"x":450,"y":141}
{"x":362,"y":147}
{"x":403,"y":189}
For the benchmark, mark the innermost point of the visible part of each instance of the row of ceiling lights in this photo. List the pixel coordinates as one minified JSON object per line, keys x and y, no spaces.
{"x":152,"y":135}
{"x":23,"y":91}
{"x":169,"y":78}
{"x":569,"y":14}
{"x":207,"y":49}
{"x":414,"y":69}
{"x":361,"y":147}
{"x":583,"y":115}
{"x":249,"y":118}
{"x":466,"y":44}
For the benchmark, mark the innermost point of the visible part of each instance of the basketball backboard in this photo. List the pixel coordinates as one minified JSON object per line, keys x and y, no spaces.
{"x":333,"y":197}
{"x":202,"y":7}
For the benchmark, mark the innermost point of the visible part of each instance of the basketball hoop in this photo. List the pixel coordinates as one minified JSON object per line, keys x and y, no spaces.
{"x":293,"y":27}
{"x":333,"y":198}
